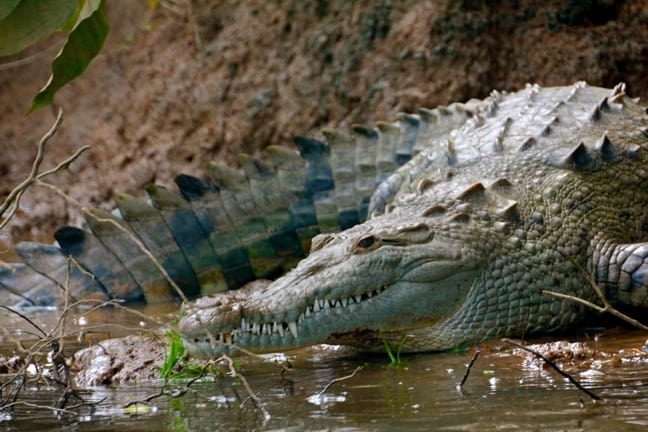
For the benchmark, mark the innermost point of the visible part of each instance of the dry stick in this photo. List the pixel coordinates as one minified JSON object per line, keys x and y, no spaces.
{"x":59,"y":328}
{"x":337,"y":380}
{"x":12,"y":201}
{"x":116,"y":303}
{"x":14,"y":196}
{"x":203,"y":371}
{"x":607,"y":307}
{"x":45,"y":407}
{"x":555,"y":367}
{"x":130,"y":235}
{"x":148,"y":253}
{"x":175,"y":394}
{"x":470,"y":365}
{"x":193,"y":22}
{"x":26,"y":318}
{"x":234,"y":372}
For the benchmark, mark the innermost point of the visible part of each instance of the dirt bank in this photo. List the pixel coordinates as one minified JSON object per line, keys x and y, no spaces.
{"x":178,"y":87}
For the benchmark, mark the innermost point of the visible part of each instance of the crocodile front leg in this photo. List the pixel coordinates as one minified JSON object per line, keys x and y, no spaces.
{"x":624,"y":273}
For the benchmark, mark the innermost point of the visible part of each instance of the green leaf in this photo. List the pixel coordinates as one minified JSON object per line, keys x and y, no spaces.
{"x":84,"y":10}
{"x":31,"y":21}
{"x":176,"y":351}
{"x":6,"y":6}
{"x":83,"y":44}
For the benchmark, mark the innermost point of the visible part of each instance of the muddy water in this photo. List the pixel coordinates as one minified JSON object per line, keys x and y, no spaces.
{"x":501,"y":393}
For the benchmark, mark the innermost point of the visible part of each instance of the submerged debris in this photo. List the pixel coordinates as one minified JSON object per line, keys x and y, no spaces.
{"x":116,"y":361}
{"x":577,"y":355}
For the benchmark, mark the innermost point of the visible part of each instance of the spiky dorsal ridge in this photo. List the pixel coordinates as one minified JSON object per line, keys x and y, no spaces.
{"x":554,"y":124}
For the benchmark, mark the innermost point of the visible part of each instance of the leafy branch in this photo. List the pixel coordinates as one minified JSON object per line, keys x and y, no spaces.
{"x":24,"y":23}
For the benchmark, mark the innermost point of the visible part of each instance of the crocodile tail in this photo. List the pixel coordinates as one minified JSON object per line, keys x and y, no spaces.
{"x":217,"y":233}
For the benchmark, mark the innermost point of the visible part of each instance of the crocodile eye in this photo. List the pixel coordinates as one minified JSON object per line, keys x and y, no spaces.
{"x":366,"y":242}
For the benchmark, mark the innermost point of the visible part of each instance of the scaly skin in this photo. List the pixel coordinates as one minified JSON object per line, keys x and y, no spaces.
{"x":540,"y":187}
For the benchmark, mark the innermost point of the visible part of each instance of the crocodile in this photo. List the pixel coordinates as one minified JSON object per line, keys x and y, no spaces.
{"x":437,"y":230}
{"x":536,"y":193}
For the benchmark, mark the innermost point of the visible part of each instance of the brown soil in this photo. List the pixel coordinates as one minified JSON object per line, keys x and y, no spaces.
{"x":176,"y":88}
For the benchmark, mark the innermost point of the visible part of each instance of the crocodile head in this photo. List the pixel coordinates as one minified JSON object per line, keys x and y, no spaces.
{"x":385,"y":275}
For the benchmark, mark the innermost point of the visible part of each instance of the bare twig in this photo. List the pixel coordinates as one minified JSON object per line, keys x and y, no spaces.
{"x":13,"y":199}
{"x":182,"y":391}
{"x":24,"y":317}
{"x":555,"y":367}
{"x":235,"y":373}
{"x":130,"y":235}
{"x":194,"y":24}
{"x":65,"y":164}
{"x":53,"y":341}
{"x":171,"y":393}
{"x":146,"y":252}
{"x":12,"y":202}
{"x":337,"y":380}
{"x":468,"y":369}
{"x":607,"y":307}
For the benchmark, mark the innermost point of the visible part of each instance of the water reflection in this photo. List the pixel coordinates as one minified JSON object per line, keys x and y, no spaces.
{"x":502,"y":392}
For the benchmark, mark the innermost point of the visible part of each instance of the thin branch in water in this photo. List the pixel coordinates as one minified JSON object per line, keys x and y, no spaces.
{"x":337,"y":380}
{"x":555,"y":367}
{"x":468,"y":369}
{"x":175,"y":393}
{"x":171,"y":393}
{"x":235,"y":373}
{"x":24,"y":317}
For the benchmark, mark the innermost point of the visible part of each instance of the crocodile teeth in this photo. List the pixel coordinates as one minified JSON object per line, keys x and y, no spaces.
{"x":358,"y":299}
{"x":316,"y":306}
{"x":322,"y":303}
{"x":292,"y":326}
{"x":243,"y":325}
{"x":280,"y":329}
{"x":228,"y":338}
{"x":345,"y":302}
{"x":307,"y":313}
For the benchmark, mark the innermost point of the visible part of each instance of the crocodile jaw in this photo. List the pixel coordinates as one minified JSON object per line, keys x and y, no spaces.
{"x":336,"y":295}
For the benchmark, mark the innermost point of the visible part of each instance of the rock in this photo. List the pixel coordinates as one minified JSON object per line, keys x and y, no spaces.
{"x":129,"y":359}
